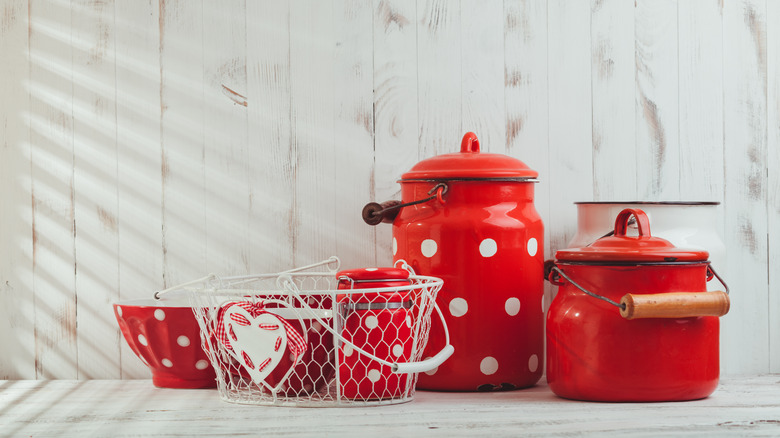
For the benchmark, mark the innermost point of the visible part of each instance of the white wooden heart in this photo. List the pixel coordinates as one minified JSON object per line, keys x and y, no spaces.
{"x":258,"y":342}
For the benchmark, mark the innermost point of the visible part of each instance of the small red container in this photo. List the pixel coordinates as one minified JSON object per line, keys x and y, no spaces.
{"x":166,"y":337}
{"x":595,"y":352}
{"x":379,"y":323}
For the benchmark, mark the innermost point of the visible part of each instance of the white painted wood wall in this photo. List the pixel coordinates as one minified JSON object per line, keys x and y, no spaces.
{"x":144,"y":143}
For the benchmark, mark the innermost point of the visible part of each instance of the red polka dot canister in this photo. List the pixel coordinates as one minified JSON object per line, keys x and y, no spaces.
{"x":379,"y":323}
{"x":469,"y":218}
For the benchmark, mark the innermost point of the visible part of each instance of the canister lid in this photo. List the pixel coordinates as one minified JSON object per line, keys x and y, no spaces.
{"x":470,"y":163}
{"x":643,"y":248}
{"x":374,"y":274}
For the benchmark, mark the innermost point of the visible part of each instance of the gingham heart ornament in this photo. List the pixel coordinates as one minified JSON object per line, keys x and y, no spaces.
{"x":259,"y":340}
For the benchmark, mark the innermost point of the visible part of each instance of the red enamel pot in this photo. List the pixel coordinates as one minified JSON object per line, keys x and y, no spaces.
{"x":469,"y":218}
{"x":632,"y":320}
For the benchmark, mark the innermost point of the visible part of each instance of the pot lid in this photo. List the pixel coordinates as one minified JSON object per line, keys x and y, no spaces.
{"x":622,"y":248}
{"x":470,"y":163}
{"x":374,"y":274}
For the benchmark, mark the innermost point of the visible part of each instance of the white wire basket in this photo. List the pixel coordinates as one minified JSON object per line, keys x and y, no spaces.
{"x":297,"y":338}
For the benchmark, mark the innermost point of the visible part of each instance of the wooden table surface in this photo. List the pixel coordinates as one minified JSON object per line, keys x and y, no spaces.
{"x":745,"y":406}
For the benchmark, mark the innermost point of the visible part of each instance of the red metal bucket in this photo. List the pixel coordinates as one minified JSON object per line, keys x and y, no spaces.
{"x":633,"y":321}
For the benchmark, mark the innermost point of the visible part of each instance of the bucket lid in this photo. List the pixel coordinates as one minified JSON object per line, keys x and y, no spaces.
{"x":470,"y":163}
{"x":374,"y":274}
{"x":620,"y":248}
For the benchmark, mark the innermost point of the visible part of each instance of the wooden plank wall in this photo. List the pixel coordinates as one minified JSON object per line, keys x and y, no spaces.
{"x":147,"y":143}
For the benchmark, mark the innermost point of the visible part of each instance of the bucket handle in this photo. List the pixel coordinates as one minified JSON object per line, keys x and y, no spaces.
{"x":238,"y":279}
{"x":664,"y":305}
{"x":396,"y":367}
{"x":373,"y":213}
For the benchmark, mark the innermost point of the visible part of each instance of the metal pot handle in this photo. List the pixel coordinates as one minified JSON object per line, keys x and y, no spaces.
{"x":373,"y":213}
{"x":663,"y":305}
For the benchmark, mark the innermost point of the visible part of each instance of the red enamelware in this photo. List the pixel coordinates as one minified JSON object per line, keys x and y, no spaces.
{"x":166,"y":337}
{"x":379,"y":323}
{"x":469,"y":218}
{"x":595,"y":353}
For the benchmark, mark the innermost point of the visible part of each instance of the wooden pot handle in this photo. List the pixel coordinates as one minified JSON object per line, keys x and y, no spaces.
{"x":675,"y":305}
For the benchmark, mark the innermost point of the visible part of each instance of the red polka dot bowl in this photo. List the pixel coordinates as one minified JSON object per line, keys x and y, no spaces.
{"x":165,"y":335}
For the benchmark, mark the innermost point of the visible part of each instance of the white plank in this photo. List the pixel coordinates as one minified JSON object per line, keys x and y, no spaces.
{"x":95,"y":188}
{"x":395,"y":106}
{"x":17,"y":311}
{"x":526,"y":100}
{"x":51,"y":139}
{"x":353,"y":85}
{"x":182,"y":139}
{"x":657,"y":82}
{"x":271,"y":158}
{"x":745,"y":127}
{"x":613,"y":73}
{"x":739,"y":407}
{"x":312,"y":46}
{"x":139,"y":161}
{"x":439,"y":81}
{"x":773,"y":184}
{"x":570,"y":127}
{"x":701,"y":115}
{"x":482,"y":71}
{"x":701,"y":100}
{"x":225,"y":137}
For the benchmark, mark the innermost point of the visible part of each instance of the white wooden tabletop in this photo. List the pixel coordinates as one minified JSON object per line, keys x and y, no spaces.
{"x":120,"y":408}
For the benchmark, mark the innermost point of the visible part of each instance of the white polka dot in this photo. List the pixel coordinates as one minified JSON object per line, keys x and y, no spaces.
{"x":183,"y":341}
{"x":307,"y":387}
{"x":458,"y":307}
{"x":142,"y":340}
{"x":408,"y":321}
{"x":533,"y":363}
{"x":395,"y":246}
{"x":488,"y":248}
{"x":398,"y":350}
{"x":291,"y":357}
{"x":372,"y":269}
{"x":488,"y":366}
{"x":167,"y":363}
{"x":374,"y":375}
{"x":159,"y":314}
{"x":201,"y":364}
{"x":316,"y":326}
{"x":118,"y":310}
{"x":512,"y":306}
{"x":371,"y":322}
{"x":532,"y":246}
{"x":348,"y":350}
{"x":428,"y":247}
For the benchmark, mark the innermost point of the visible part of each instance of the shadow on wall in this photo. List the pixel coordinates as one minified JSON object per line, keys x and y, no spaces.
{"x":147,"y":151}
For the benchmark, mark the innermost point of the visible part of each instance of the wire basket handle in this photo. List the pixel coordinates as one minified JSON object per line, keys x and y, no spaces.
{"x":158,"y":294}
{"x":401,"y":263}
{"x":238,"y":279}
{"x":285,"y":281}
